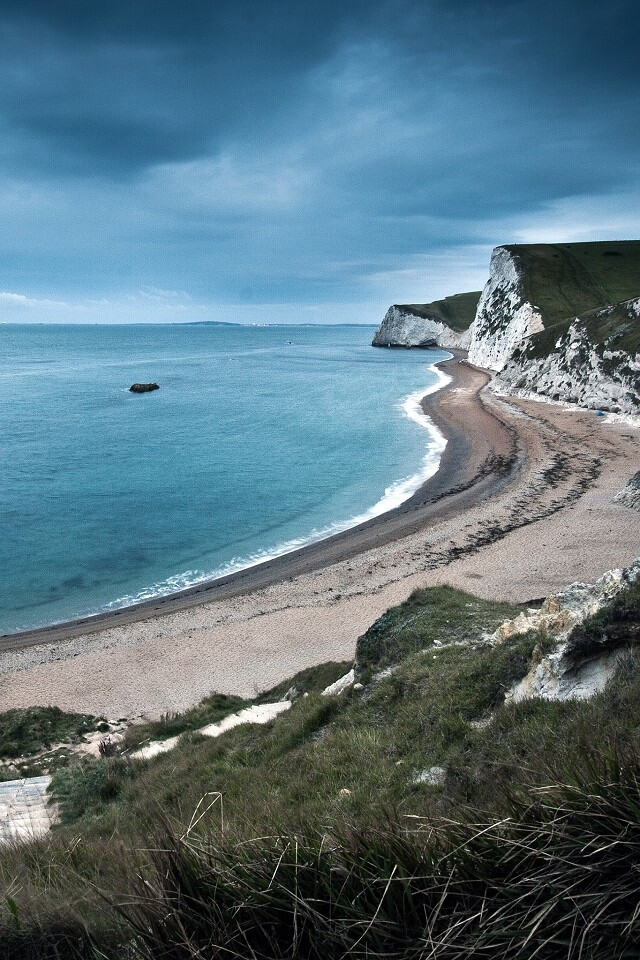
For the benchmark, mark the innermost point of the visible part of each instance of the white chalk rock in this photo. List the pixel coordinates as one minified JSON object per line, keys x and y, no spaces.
{"x":403,"y":328}
{"x":564,"y":674}
{"x":335,"y":689}
{"x":505,"y":317}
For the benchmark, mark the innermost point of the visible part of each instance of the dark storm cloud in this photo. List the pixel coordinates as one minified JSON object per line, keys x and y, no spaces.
{"x":304,"y":152}
{"x":125,"y":85}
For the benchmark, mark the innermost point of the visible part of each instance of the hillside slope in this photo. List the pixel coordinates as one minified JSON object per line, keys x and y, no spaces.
{"x":458,"y":703}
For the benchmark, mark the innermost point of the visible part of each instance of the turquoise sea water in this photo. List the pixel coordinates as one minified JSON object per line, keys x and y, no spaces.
{"x":260,"y":439}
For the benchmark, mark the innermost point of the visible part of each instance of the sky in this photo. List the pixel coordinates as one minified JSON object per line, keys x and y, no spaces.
{"x":302,"y":160}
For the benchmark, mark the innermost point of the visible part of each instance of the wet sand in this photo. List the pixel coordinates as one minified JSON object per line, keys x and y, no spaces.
{"x":521,"y":505}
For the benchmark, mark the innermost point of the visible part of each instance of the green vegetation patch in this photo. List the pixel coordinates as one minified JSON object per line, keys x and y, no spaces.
{"x":614,"y":265}
{"x":90,"y":787}
{"x":434,"y":615}
{"x":557,"y":282}
{"x":24,"y":732}
{"x":614,"y":328}
{"x":557,"y":879}
{"x":457,"y":312}
{"x":348,"y":795}
{"x":567,"y":280}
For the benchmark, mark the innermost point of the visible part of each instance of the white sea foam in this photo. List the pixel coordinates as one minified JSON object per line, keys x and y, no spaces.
{"x":394,"y":496}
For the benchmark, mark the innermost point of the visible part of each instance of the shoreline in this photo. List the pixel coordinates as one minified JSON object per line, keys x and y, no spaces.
{"x":312,"y":555}
{"x":522,"y":505}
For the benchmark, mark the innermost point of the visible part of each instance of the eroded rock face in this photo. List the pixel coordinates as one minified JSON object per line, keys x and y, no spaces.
{"x":143,"y":387}
{"x":505,"y":317}
{"x":629,"y":496}
{"x":579,"y":369}
{"x":402,"y":328}
{"x":568,"y":672}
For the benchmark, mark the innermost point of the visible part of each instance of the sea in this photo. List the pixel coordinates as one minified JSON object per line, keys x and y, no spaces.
{"x":261,"y":439}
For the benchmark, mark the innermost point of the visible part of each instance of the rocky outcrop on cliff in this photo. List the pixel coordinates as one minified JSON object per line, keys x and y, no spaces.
{"x":402,"y":327}
{"x":591,"y":362}
{"x":534,"y":286}
{"x":589,"y":626}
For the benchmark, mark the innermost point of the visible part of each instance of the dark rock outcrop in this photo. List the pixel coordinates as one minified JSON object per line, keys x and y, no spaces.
{"x":143,"y":387}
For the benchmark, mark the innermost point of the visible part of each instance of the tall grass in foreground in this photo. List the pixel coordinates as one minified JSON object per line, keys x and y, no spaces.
{"x":558,"y":878}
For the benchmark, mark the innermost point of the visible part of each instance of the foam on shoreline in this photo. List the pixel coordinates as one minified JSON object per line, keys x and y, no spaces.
{"x":394,"y":496}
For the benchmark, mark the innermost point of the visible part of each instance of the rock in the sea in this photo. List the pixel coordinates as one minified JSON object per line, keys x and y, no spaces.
{"x":143,"y":387}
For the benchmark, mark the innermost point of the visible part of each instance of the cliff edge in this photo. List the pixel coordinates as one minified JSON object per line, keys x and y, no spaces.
{"x":443,"y":323}
{"x":533,"y":287}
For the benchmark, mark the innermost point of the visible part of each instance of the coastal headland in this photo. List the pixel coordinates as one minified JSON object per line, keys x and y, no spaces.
{"x":522,"y":504}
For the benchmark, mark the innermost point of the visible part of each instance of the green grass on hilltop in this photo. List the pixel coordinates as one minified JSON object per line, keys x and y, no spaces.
{"x":613,"y":264}
{"x":438,"y":614}
{"x":457,"y":312}
{"x":567,"y":280}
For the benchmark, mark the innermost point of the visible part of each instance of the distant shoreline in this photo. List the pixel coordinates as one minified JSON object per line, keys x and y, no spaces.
{"x":461,"y":468}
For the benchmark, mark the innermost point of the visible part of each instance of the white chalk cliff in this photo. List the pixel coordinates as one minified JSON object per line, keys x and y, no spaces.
{"x":536,"y":348}
{"x":581,"y":368}
{"x":401,"y":327}
{"x":504,"y":317}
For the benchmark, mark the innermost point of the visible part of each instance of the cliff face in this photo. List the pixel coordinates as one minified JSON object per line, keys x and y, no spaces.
{"x":535,"y":286}
{"x":505,"y":317}
{"x":593,"y":361}
{"x":403,"y":328}
{"x":560,"y":320}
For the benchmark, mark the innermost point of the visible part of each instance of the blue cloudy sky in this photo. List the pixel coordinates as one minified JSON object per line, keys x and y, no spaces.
{"x":312,"y":160}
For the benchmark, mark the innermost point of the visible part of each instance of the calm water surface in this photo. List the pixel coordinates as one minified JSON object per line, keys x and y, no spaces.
{"x":260,"y":439}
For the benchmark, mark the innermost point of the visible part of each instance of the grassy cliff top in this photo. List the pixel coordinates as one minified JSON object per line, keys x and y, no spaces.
{"x":457,"y":312}
{"x":565,"y":280}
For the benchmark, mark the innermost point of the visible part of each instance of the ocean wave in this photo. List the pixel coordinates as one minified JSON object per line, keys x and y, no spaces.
{"x":394,"y":495}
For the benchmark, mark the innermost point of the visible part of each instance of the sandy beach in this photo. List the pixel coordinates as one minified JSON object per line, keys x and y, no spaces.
{"x":522,"y":504}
